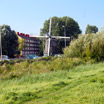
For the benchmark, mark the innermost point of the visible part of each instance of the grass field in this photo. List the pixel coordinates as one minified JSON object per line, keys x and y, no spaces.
{"x":81,"y":85}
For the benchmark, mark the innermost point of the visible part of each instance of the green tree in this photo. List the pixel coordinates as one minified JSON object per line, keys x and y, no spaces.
{"x":58,"y":24}
{"x":91,"y":29}
{"x":9,"y":41}
{"x":63,"y":26}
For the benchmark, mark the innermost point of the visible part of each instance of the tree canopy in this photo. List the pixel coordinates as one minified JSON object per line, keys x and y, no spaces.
{"x":61,"y":25}
{"x":91,"y":29}
{"x":9,"y":41}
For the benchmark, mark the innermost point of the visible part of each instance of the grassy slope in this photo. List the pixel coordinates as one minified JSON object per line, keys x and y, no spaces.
{"x":82,"y":85}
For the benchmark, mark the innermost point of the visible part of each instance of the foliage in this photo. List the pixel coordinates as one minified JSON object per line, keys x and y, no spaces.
{"x":9,"y":41}
{"x":19,"y":98}
{"x":91,"y":29}
{"x":90,"y":46}
{"x":71,"y":27}
{"x":11,"y":69}
{"x":65,"y":64}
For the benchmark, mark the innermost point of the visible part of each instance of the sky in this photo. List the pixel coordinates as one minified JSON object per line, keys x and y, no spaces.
{"x":28,"y":16}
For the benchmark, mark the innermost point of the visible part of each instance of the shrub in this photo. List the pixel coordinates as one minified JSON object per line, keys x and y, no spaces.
{"x":39,"y":66}
{"x":11,"y":62}
{"x":65,"y":63}
{"x":5,"y":61}
{"x":1,"y":63}
{"x":87,"y":47}
{"x":19,"y":60}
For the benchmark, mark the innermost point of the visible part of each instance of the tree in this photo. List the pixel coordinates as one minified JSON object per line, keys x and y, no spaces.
{"x":91,"y":29}
{"x":60,"y":27}
{"x":9,"y":41}
{"x":58,"y":24}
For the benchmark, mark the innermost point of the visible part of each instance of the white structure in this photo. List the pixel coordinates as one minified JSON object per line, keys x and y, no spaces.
{"x":49,"y":37}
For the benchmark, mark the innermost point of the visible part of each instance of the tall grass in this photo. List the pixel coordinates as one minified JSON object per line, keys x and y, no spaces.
{"x":82,"y":85}
{"x":87,"y":47}
{"x":37,"y":66}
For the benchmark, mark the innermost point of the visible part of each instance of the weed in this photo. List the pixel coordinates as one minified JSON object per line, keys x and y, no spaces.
{"x":93,"y":79}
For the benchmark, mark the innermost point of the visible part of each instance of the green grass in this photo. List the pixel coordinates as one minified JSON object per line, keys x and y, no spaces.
{"x":13,"y":69}
{"x":82,"y":85}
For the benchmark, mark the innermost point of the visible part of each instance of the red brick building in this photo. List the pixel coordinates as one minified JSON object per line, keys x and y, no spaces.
{"x":32,"y":45}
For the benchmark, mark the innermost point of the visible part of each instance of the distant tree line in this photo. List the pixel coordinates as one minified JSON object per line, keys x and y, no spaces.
{"x":61,"y":26}
{"x":65,"y":26}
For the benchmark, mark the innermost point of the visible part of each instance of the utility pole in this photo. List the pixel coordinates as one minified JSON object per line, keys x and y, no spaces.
{"x":64,"y":35}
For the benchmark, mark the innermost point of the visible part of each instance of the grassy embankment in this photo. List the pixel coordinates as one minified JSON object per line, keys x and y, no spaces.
{"x":83,"y":84}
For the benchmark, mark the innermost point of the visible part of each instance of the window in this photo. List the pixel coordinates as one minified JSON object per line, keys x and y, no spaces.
{"x":31,"y":44}
{"x":27,"y":44}
{"x":26,"y":40}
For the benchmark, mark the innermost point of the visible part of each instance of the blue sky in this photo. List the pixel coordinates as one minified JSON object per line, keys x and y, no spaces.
{"x":28,"y":16}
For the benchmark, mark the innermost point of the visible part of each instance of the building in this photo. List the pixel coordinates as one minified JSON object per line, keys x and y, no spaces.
{"x":32,"y":45}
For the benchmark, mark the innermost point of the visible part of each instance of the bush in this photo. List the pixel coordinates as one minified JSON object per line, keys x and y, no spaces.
{"x":87,"y":47}
{"x":17,"y":98}
{"x":1,"y":63}
{"x":19,"y":60}
{"x":65,"y":63}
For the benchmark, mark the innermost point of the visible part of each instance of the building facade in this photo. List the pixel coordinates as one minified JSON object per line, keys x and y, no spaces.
{"x":32,"y":45}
